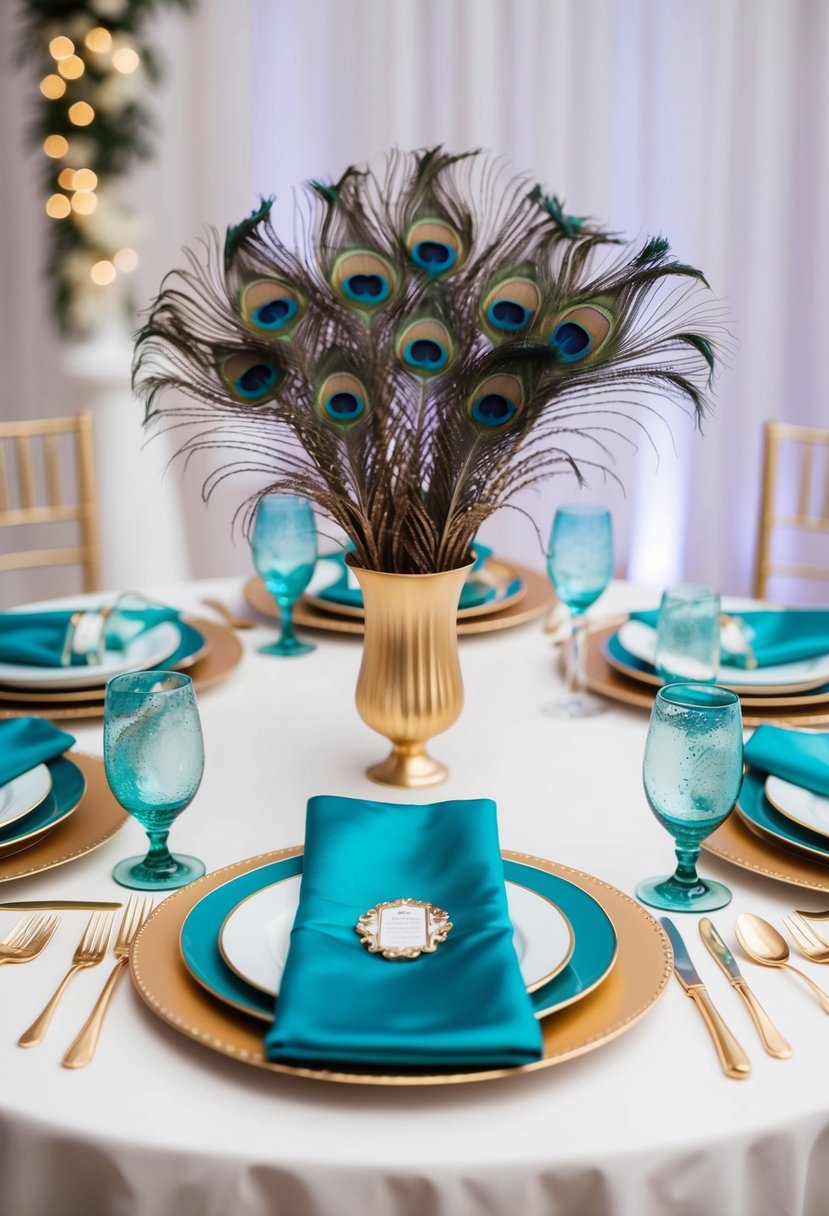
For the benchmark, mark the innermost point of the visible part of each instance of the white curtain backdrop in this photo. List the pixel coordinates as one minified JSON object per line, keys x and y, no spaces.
{"x":707,"y":120}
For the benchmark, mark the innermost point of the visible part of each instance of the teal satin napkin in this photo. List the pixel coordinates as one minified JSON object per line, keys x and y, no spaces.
{"x":25,"y":742}
{"x":464,"y":1006}
{"x":794,"y":755}
{"x":784,"y":636}
{"x":37,"y":639}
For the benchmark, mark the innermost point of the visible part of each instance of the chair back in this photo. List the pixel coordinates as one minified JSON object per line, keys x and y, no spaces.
{"x":32,"y":491}
{"x":805,"y":453}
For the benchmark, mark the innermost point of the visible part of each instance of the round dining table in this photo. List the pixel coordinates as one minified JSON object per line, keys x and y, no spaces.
{"x":646,"y":1125}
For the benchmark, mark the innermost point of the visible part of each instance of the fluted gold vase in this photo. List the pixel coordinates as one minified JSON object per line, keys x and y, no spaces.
{"x":409,"y":687}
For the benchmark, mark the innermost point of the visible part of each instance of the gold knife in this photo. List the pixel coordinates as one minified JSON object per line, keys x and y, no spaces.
{"x":771,"y":1038}
{"x":735,"y":1063}
{"x":59,"y":905}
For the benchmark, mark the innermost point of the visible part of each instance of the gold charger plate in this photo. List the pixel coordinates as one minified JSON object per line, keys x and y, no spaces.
{"x":642,"y":970}
{"x":609,"y":682}
{"x":222,"y":651}
{"x":95,"y":820}
{"x":538,"y":599}
{"x":734,"y":841}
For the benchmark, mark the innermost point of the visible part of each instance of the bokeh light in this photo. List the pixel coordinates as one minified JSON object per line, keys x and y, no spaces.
{"x":125,"y":60}
{"x":84,"y":179}
{"x":61,"y":47}
{"x":65,"y":178}
{"x":84,"y":202}
{"x":55,"y":146}
{"x":81,"y":113}
{"x":58,"y":206}
{"x":102,"y":273}
{"x":71,"y":68}
{"x":99,"y":39}
{"x":52,"y":87}
{"x":126,"y":260}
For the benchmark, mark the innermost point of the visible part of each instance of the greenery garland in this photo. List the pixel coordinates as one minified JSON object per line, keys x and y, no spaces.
{"x":91,"y":124}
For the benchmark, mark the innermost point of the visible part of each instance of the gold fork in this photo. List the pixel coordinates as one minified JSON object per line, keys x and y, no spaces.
{"x":28,"y":937}
{"x":82,"y":1049}
{"x":810,"y":944}
{"x":89,"y":952}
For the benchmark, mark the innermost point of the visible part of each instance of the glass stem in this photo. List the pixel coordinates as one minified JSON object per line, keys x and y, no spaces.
{"x":286,"y":609}
{"x":159,"y":857}
{"x":576,"y":673}
{"x":686,"y":869}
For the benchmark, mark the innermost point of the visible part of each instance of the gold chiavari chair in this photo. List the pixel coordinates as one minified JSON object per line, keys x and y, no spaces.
{"x":21,"y":444}
{"x":810,"y":513}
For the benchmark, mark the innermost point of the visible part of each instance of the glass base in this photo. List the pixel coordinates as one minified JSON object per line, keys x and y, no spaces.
{"x":704,"y":896}
{"x":132,"y":872}
{"x":575,"y":705}
{"x":286,"y":648}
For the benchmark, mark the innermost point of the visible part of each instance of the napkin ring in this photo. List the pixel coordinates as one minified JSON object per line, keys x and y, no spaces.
{"x":403,"y":928}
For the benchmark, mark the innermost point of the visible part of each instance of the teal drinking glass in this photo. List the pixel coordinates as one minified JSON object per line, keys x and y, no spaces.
{"x":688,"y":635}
{"x":692,"y":772}
{"x":580,"y":564}
{"x":154,"y":759}
{"x":285,"y":554}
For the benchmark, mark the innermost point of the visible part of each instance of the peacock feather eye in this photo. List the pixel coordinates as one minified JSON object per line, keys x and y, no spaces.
{"x":580,"y":332}
{"x":364,"y":278}
{"x":434,"y":246}
{"x":271,"y":306}
{"x":509,"y":306}
{"x":250,"y":377}
{"x":342,"y":399}
{"x":496,"y":402}
{"x":424,"y":346}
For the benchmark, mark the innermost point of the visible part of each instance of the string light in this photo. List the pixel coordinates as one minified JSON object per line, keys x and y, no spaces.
{"x":125,"y":60}
{"x":58,"y":206}
{"x":99,"y":39}
{"x":52,"y":87}
{"x":84,"y":202}
{"x":126,"y":260}
{"x":66,"y":178}
{"x":55,"y":146}
{"x":102,"y":273}
{"x":81,"y":113}
{"x":71,"y":68}
{"x":61,"y":47}
{"x":84,"y":179}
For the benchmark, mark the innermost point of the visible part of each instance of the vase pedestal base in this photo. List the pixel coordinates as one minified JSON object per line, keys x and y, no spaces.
{"x":409,"y":767}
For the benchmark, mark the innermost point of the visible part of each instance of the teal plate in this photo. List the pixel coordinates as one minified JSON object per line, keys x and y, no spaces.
{"x":593,"y":954}
{"x":757,"y":811}
{"x":191,"y":642}
{"x":68,"y":785}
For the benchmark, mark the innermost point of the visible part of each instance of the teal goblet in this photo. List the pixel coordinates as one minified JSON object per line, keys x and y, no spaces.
{"x":692,"y":772}
{"x":154,"y":760}
{"x":579,"y":563}
{"x":688,"y":635}
{"x":285,"y":554}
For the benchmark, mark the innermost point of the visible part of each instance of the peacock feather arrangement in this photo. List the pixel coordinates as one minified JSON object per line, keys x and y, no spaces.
{"x":440,"y":338}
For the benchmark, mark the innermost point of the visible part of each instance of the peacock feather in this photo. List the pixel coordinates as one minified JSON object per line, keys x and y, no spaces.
{"x":441,"y":339}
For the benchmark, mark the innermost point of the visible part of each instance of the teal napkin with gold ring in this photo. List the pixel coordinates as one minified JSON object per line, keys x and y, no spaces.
{"x":464,"y":1005}
{"x":64,"y":637}
{"x":801,"y":757}
{"x":27,"y":742}
{"x":783,"y":635}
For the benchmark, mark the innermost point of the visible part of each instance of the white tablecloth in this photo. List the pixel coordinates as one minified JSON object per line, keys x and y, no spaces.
{"x":645,"y":1126}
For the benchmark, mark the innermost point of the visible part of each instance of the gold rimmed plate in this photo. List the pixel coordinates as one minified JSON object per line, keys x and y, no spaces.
{"x":604,"y":679}
{"x":95,"y":819}
{"x":636,"y":981}
{"x":537,"y":600}
{"x":222,"y":652}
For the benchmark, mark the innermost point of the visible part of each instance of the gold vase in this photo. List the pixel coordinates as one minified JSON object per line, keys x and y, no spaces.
{"x":409,"y":687}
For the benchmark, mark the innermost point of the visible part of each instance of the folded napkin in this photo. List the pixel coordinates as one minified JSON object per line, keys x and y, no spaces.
{"x":798,"y":756}
{"x":464,"y":1005}
{"x":38,"y":639}
{"x":782,"y":636}
{"x":25,"y":742}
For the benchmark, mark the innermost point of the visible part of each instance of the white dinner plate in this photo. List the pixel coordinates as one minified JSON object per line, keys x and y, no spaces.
{"x":254,"y":937}
{"x":147,"y":650}
{"x":22,"y":794}
{"x":808,"y":809}
{"x":640,"y":640}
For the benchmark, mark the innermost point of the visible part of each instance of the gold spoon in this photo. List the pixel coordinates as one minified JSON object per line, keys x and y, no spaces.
{"x":766,"y":946}
{"x":230,"y":617}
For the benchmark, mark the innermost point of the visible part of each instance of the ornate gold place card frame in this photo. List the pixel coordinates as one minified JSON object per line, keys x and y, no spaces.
{"x":403,"y":928}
